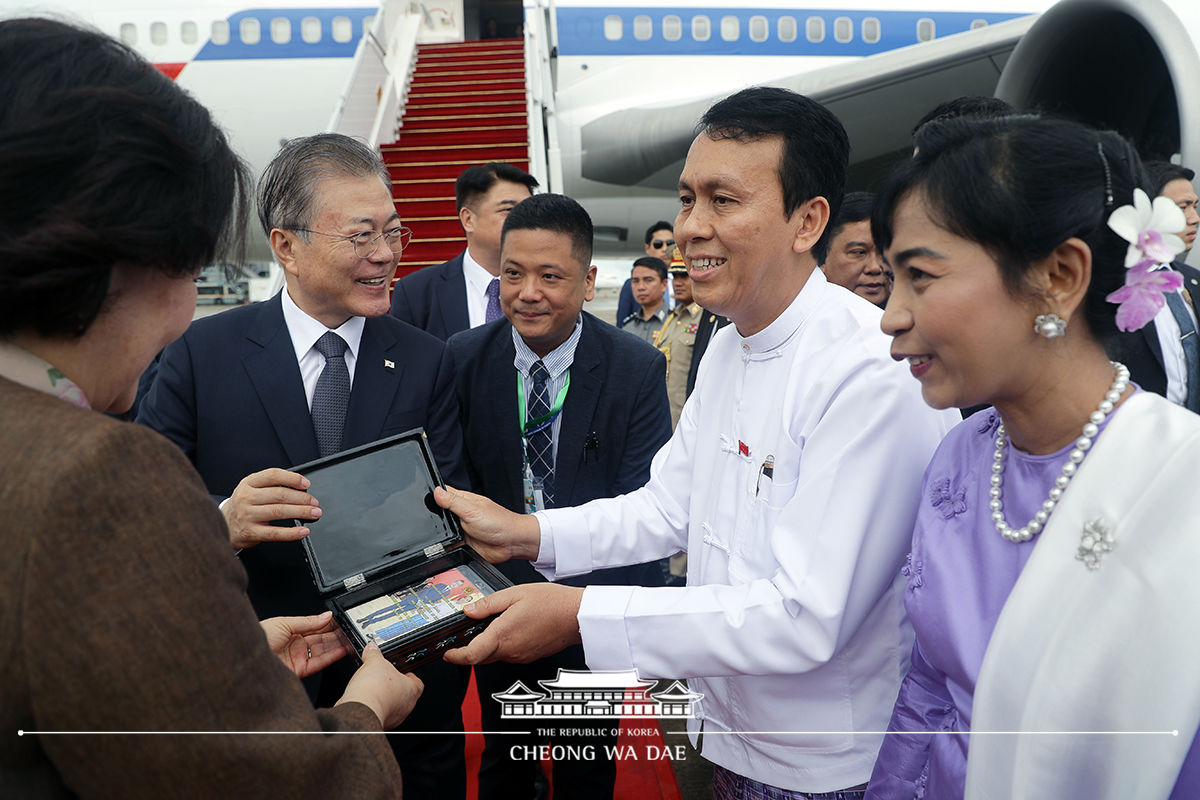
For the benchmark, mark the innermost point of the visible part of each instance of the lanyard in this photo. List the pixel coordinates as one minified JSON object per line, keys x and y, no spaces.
{"x":540,"y":423}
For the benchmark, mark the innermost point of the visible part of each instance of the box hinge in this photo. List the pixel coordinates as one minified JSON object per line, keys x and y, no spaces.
{"x":354,"y":581}
{"x":434,"y":550}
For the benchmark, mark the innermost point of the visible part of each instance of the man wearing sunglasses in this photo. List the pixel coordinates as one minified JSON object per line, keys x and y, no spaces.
{"x":317,"y":369}
{"x":660,"y":243}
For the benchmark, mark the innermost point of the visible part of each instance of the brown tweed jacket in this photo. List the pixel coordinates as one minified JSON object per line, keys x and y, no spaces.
{"x":122,"y":609}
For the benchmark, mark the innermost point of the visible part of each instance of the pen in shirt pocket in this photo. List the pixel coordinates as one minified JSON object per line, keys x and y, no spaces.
{"x":767,"y":470}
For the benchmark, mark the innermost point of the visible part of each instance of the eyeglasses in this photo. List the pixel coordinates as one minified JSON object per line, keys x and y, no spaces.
{"x":659,"y":243}
{"x":367,"y":242}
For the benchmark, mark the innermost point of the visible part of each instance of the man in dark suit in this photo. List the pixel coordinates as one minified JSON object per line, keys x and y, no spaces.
{"x":598,"y":404}
{"x":463,"y":292}
{"x":1158,"y":355}
{"x":250,"y":391}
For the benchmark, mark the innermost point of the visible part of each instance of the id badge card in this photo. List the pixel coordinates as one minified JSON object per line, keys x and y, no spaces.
{"x":532,"y":490}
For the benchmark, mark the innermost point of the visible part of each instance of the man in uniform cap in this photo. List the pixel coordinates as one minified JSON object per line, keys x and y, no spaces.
{"x":678,"y":335}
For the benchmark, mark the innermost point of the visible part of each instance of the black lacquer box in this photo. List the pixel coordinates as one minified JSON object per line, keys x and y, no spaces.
{"x":389,"y":562}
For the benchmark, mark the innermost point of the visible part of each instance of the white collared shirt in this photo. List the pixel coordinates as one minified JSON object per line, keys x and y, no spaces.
{"x":477,"y":279}
{"x":305,"y":331}
{"x":1174,"y":364}
{"x":792,"y":618}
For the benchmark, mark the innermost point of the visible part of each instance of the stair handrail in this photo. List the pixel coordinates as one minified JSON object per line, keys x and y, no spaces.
{"x":541,"y":48}
{"x":380,"y":76}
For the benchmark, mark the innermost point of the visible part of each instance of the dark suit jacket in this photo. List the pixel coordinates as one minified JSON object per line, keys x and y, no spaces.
{"x":121,"y":608}
{"x":704,"y":334}
{"x":434,"y":299}
{"x":615,"y":418}
{"x":1141,"y":351}
{"x":229,"y":393}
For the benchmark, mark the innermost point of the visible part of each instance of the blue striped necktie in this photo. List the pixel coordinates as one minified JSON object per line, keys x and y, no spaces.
{"x":539,"y":446}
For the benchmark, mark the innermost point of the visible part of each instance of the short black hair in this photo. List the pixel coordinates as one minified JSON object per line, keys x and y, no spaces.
{"x":557,"y":213}
{"x":973,"y":106}
{"x":1160,"y":173}
{"x":104,"y":161}
{"x":651,"y":262}
{"x":816,"y":149}
{"x":1019,"y":187}
{"x":661,"y":225}
{"x":476,"y":181}
{"x":855,"y":207}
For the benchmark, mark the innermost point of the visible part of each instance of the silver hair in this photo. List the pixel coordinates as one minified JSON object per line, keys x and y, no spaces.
{"x":287,"y":191}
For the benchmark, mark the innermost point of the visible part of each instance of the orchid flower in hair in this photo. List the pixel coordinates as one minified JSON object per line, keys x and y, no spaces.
{"x":1152,"y":232}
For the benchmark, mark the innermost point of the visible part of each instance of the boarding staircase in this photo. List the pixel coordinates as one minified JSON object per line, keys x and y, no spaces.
{"x":466,"y":105}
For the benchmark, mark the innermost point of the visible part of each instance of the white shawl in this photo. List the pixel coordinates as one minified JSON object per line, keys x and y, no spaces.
{"x":1115,"y":649}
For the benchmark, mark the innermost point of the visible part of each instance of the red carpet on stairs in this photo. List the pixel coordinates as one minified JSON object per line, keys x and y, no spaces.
{"x":637,"y":779}
{"x":466,"y":105}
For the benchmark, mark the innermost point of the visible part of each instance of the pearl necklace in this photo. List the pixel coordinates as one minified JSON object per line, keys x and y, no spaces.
{"x":1074,"y":459}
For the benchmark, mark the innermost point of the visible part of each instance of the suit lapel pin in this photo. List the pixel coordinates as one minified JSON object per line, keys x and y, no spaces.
{"x":387,"y":362}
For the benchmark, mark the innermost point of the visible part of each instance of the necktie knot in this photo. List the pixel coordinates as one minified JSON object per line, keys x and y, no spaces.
{"x":331,"y":345}
{"x":539,"y":375}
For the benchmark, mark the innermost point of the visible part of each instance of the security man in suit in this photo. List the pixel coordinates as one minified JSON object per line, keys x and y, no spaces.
{"x":463,"y":292}
{"x":1164,"y":356}
{"x":316,"y":369}
{"x":557,"y":408}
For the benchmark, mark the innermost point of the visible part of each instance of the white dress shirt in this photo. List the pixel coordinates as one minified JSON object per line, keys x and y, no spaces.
{"x":477,"y":279}
{"x":305,"y":331}
{"x":792,"y":618}
{"x":557,"y":362}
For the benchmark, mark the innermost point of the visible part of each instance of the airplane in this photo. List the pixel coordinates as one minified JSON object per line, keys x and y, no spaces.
{"x":615,"y":87}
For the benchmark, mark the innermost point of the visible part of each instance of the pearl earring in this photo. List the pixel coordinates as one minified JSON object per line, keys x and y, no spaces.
{"x":1052,"y":326}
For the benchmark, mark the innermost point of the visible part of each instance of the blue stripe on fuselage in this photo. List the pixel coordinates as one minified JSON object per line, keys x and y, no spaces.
{"x":581,"y":31}
{"x":295,"y":47}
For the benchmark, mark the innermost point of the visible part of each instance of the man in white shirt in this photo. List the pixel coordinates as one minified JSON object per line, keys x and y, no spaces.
{"x":464,"y":292}
{"x":792,"y":481}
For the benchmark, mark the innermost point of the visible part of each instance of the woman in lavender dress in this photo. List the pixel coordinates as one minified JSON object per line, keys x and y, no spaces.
{"x":1052,"y":580}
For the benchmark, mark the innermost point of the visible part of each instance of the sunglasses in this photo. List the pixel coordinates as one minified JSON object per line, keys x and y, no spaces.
{"x":659,"y":243}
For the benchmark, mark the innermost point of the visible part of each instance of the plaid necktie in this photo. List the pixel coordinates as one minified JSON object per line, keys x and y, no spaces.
{"x":493,"y":306}
{"x":1191,"y":348}
{"x":332,"y":394}
{"x":539,"y":446}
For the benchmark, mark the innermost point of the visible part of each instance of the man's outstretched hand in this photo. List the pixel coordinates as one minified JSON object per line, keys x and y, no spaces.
{"x":536,"y":620}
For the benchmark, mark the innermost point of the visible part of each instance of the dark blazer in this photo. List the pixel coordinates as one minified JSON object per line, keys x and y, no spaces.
{"x":704,"y":334}
{"x":229,"y":393}
{"x":1141,"y":351}
{"x":121,"y":608}
{"x":615,"y":418}
{"x":434,"y":299}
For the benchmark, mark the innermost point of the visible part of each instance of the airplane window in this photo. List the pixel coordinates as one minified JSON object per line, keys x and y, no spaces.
{"x":926,"y":30}
{"x":759,"y":29}
{"x":701,"y":28}
{"x":786,"y":29}
{"x":870,"y":30}
{"x":643,"y":28}
{"x":731,"y":28}
{"x":188,"y":32}
{"x":251,"y":31}
{"x":843,"y":29}
{"x":158,"y":33}
{"x":672,"y":27}
{"x":814,"y":29}
{"x":976,"y":24}
{"x":614,"y":28}
{"x":129,"y":33}
{"x":310,"y":30}
{"x":281,"y":30}
{"x":220,"y":32}
{"x":342,"y":29}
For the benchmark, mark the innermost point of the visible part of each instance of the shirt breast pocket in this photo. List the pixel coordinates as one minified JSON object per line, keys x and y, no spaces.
{"x":774,"y":488}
